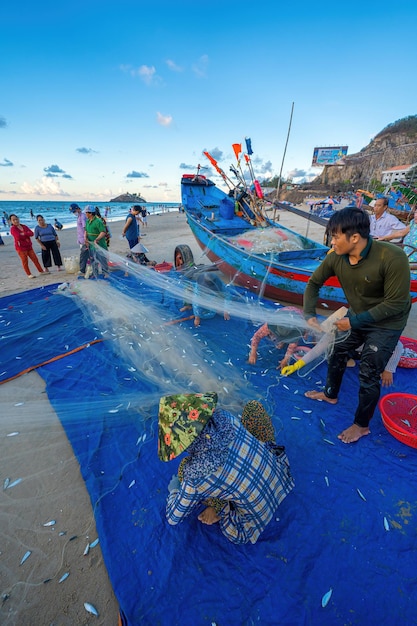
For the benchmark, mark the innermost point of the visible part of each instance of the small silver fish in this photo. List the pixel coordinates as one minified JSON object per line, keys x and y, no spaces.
{"x":296,"y":418}
{"x":114,"y":411}
{"x":132,"y":483}
{"x":386,"y":524}
{"x":407,"y":423}
{"x":6,"y":483}
{"x":13,"y":434}
{"x":90,"y":608}
{"x":86,"y":549}
{"x":307,"y":411}
{"x":19,"y":403}
{"x":326,"y":598}
{"x":322,"y":422}
{"x":63,"y":577}
{"x":14,"y":483}
{"x":25,"y":557}
{"x":51,"y":522}
{"x":94,"y":543}
{"x":361,"y":495}
{"x":328,"y":441}
{"x":286,"y":387}
{"x":326,"y":480}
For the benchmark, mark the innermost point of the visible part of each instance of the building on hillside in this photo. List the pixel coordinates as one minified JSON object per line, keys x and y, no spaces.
{"x":396,"y":173}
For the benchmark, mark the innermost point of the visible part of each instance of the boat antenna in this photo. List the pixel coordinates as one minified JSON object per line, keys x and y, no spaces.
{"x":283,"y":158}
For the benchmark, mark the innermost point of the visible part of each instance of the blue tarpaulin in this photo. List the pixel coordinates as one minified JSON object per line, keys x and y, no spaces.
{"x":328,"y":534}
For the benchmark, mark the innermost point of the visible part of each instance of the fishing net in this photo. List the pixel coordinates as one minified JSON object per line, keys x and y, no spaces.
{"x":106,"y":351}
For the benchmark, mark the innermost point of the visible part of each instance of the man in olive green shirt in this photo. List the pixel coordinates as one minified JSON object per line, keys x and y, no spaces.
{"x":375,"y":277}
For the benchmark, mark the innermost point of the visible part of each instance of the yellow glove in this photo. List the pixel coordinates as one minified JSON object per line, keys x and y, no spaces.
{"x":290,"y":369}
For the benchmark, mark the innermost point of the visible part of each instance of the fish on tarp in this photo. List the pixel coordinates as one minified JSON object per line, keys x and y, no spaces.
{"x":25,"y":557}
{"x":326,"y":598}
{"x":90,"y":608}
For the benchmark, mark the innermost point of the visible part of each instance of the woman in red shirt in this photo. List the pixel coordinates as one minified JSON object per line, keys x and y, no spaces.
{"x":23,"y":245}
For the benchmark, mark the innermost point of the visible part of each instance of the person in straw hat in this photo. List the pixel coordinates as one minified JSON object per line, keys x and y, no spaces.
{"x":234,"y":468}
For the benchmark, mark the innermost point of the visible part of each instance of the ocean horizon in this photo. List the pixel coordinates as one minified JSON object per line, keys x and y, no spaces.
{"x":61,"y":211}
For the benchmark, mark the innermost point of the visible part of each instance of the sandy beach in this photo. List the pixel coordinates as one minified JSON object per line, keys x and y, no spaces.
{"x":53,"y":489}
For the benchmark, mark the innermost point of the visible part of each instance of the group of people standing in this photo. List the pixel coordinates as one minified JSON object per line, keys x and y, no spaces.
{"x":46,"y":236}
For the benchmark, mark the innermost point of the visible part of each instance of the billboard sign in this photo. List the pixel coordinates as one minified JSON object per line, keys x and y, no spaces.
{"x":329,"y":156}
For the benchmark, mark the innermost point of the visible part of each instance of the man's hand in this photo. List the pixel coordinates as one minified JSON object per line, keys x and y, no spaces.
{"x":387,"y":378}
{"x":343,"y":324}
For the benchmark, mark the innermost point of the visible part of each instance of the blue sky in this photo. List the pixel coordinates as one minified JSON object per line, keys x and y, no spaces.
{"x":98,"y":98}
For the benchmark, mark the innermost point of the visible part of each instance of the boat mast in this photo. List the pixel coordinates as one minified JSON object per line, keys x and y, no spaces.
{"x":283,"y":157}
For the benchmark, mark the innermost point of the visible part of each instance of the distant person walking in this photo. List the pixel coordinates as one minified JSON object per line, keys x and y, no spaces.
{"x":23,"y":245}
{"x":131,"y":227}
{"x":47,"y":238}
{"x":144,"y":214}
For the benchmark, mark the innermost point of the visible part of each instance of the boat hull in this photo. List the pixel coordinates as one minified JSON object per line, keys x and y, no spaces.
{"x":269,"y":280}
{"x":280,"y":276}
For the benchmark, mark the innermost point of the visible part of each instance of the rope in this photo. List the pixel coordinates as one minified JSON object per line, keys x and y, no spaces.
{"x":55,"y":358}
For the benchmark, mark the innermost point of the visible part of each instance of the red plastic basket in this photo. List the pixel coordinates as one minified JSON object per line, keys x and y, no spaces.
{"x":399,"y":416}
{"x":163,"y":267}
{"x":408,"y":361}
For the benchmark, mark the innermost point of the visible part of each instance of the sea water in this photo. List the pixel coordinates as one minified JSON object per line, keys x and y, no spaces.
{"x":60,"y":211}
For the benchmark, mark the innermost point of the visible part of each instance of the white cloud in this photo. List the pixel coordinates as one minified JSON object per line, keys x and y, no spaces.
{"x":145,"y":72}
{"x":44,"y":187}
{"x":173,"y":66}
{"x":164,"y":120}
{"x":200,"y":67}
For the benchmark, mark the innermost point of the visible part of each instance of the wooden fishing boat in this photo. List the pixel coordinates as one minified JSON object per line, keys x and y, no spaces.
{"x":252,"y":250}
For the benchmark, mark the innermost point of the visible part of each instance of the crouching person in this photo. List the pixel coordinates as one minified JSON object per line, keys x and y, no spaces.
{"x":234,"y":468}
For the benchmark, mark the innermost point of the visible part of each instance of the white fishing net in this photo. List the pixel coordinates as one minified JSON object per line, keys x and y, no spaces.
{"x":46,"y":521}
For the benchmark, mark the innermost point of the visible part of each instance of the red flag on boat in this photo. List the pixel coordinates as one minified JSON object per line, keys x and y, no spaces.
{"x":237,"y":147}
{"x":211,"y":159}
{"x":214,"y":164}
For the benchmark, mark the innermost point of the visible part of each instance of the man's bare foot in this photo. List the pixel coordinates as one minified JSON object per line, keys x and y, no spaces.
{"x":320,"y":396}
{"x":209,"y":516}
{"x":353,"y":433}
{"x":185,"y":308}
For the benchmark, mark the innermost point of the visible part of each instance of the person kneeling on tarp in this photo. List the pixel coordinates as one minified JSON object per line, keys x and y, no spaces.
{"x":234,"y":467}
